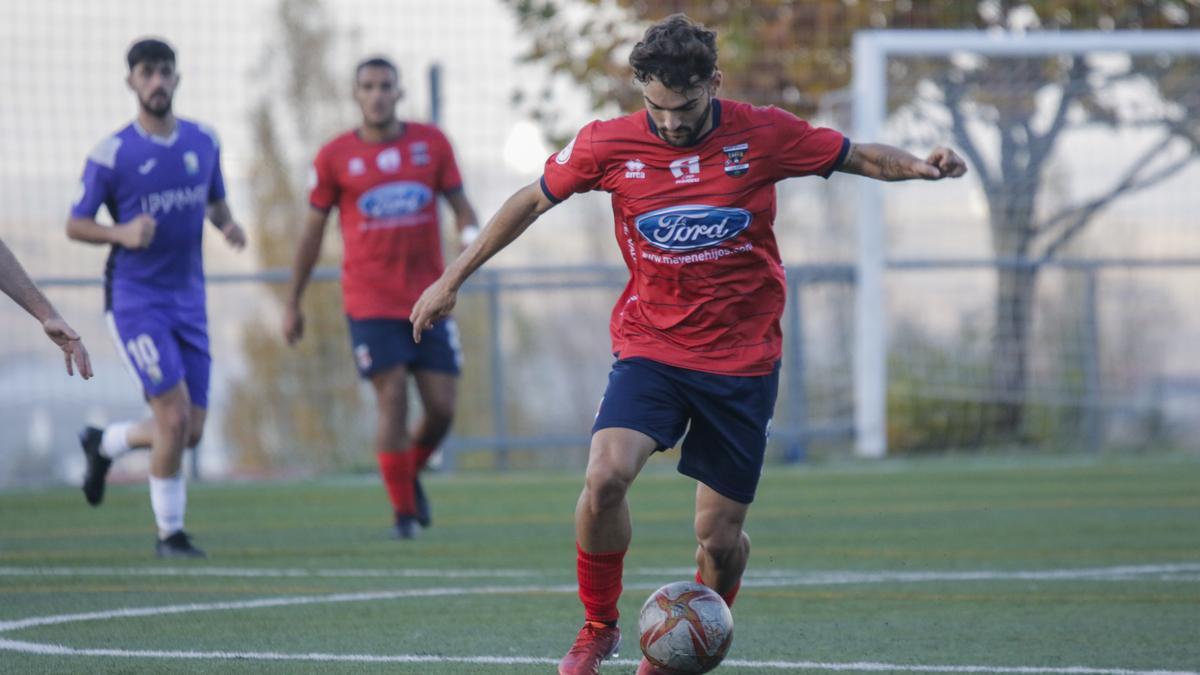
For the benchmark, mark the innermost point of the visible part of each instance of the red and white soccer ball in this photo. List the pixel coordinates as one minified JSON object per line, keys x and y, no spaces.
{"x":686,"y":628}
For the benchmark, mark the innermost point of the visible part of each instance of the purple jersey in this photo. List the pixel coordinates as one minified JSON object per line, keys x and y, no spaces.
{"x":172,"y":179}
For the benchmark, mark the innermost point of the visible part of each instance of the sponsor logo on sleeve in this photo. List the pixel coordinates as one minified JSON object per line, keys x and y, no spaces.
{"x":687,"y":228}
{"x":564,"y":155}
{"x":735,"y":159}
{"x":686,"y":170}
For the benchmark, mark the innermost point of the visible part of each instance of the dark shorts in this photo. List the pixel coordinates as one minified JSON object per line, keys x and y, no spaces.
{"x":162,"y":347}
{"x":730,"y":419}
{"x":380,"y":344}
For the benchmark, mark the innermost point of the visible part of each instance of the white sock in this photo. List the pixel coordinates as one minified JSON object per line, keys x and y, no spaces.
{"x":115,"y":441}
{"x":168,"y":498}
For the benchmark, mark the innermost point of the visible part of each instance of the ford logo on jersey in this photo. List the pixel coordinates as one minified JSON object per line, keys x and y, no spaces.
{"x":686,"y":228}
{"x":395,"y":200}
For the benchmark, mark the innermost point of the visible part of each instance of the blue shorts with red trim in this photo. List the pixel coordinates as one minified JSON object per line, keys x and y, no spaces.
{"x":381,"y":344}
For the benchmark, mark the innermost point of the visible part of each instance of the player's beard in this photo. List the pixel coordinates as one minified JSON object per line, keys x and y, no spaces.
{"x":160,"y":109}
{"x":693,"y":134}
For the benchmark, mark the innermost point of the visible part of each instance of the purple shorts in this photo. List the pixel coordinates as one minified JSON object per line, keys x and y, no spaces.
{"x":163,"y":346}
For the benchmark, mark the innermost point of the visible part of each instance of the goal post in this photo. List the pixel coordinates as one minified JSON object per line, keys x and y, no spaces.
{"x":871,"y":52}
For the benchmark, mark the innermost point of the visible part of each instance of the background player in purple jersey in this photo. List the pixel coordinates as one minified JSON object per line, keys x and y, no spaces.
{"x":159,"y":178}
{"x":17,"y":285}
{"x":706,"y":168}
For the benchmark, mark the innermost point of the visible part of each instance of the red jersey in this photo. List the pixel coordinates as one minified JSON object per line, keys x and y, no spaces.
{"x":695,"y":225}
{"x":386,"y":194}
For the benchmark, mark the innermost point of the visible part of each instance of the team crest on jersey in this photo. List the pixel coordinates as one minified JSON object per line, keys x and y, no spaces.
{"x":735,"y":156}
{"x":687,"y":228}
{"x":388,"y":161}
{"x":356,"y":167}
{"x":419,"y":153}
{"x":191,"y":163}
{"x":395,"y":200}
{"x":686,"y":170}
{"x":634,"y":168}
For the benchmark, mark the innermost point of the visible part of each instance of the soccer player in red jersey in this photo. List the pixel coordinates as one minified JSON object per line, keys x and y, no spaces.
{"x":384,"y":178}
{"x":697,"y":331}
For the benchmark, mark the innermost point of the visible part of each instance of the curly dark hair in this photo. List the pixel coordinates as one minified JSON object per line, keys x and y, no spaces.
{"x":677,"y":52}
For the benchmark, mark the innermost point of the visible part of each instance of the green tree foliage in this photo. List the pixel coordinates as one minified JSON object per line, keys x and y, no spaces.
{"x":296,"y":406}
{"x":791,"y":53}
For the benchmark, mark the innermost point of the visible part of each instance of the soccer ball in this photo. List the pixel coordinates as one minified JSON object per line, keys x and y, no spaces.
{"x":685,"y":628}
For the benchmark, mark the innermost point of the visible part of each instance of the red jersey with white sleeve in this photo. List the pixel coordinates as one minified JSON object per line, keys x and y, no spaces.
{"x":386,"y":194}
{"x":696,"y":228}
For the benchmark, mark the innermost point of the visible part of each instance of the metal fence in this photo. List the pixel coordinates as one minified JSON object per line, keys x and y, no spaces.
{"x":1104,"y":368}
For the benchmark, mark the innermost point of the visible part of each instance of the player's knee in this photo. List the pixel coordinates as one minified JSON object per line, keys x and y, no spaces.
{"x":195,"y":434}
{"x":173,"y":421}
{"x":606,"y":486}
{"x":438,"y":421}
{"x":723,"y":541}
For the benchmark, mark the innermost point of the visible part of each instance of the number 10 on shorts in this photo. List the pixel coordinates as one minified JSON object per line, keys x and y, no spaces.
{"x":144,"y":354}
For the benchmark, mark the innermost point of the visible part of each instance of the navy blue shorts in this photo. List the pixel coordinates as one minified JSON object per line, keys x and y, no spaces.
{"x":730,"y":419}
{"x":380,"y":344}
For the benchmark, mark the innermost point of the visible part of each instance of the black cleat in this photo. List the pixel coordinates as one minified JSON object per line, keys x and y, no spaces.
{"x":97,"y":465}
{"x":178,"y":545}
{"x":424,"y":517}
{"x":406,"y":527}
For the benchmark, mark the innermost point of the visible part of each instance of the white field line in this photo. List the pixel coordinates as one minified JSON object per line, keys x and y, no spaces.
{"x":769,"y":578}
{"x":6,"y":626}
{"x":1170,"y":572}
{"x":59,"y":650}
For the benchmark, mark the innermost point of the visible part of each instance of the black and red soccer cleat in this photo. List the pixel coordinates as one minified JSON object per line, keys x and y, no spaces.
{"x":595,"y":643}
{"x":96,"y":472}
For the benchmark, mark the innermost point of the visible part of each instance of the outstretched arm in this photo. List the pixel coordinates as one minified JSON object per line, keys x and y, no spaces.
{"x":884,"y":162}
{"x":513,"y":218}
{"x":306,"y":258}
{"x":16,"y":284}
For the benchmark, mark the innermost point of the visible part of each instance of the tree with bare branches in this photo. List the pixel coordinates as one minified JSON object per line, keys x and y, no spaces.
{"x":790,"y":54}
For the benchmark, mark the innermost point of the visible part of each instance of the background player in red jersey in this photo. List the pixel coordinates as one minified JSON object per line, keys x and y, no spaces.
{"x":16,"y":284}
{"x":384,"y":178}
{"x":696,"y":332}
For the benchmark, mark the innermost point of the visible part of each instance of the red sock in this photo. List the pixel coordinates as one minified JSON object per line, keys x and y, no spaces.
{"x":421,"y":455}
{"x":599,"y":576}
{"x":396,"y":468}
{"x":728,"y":596}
